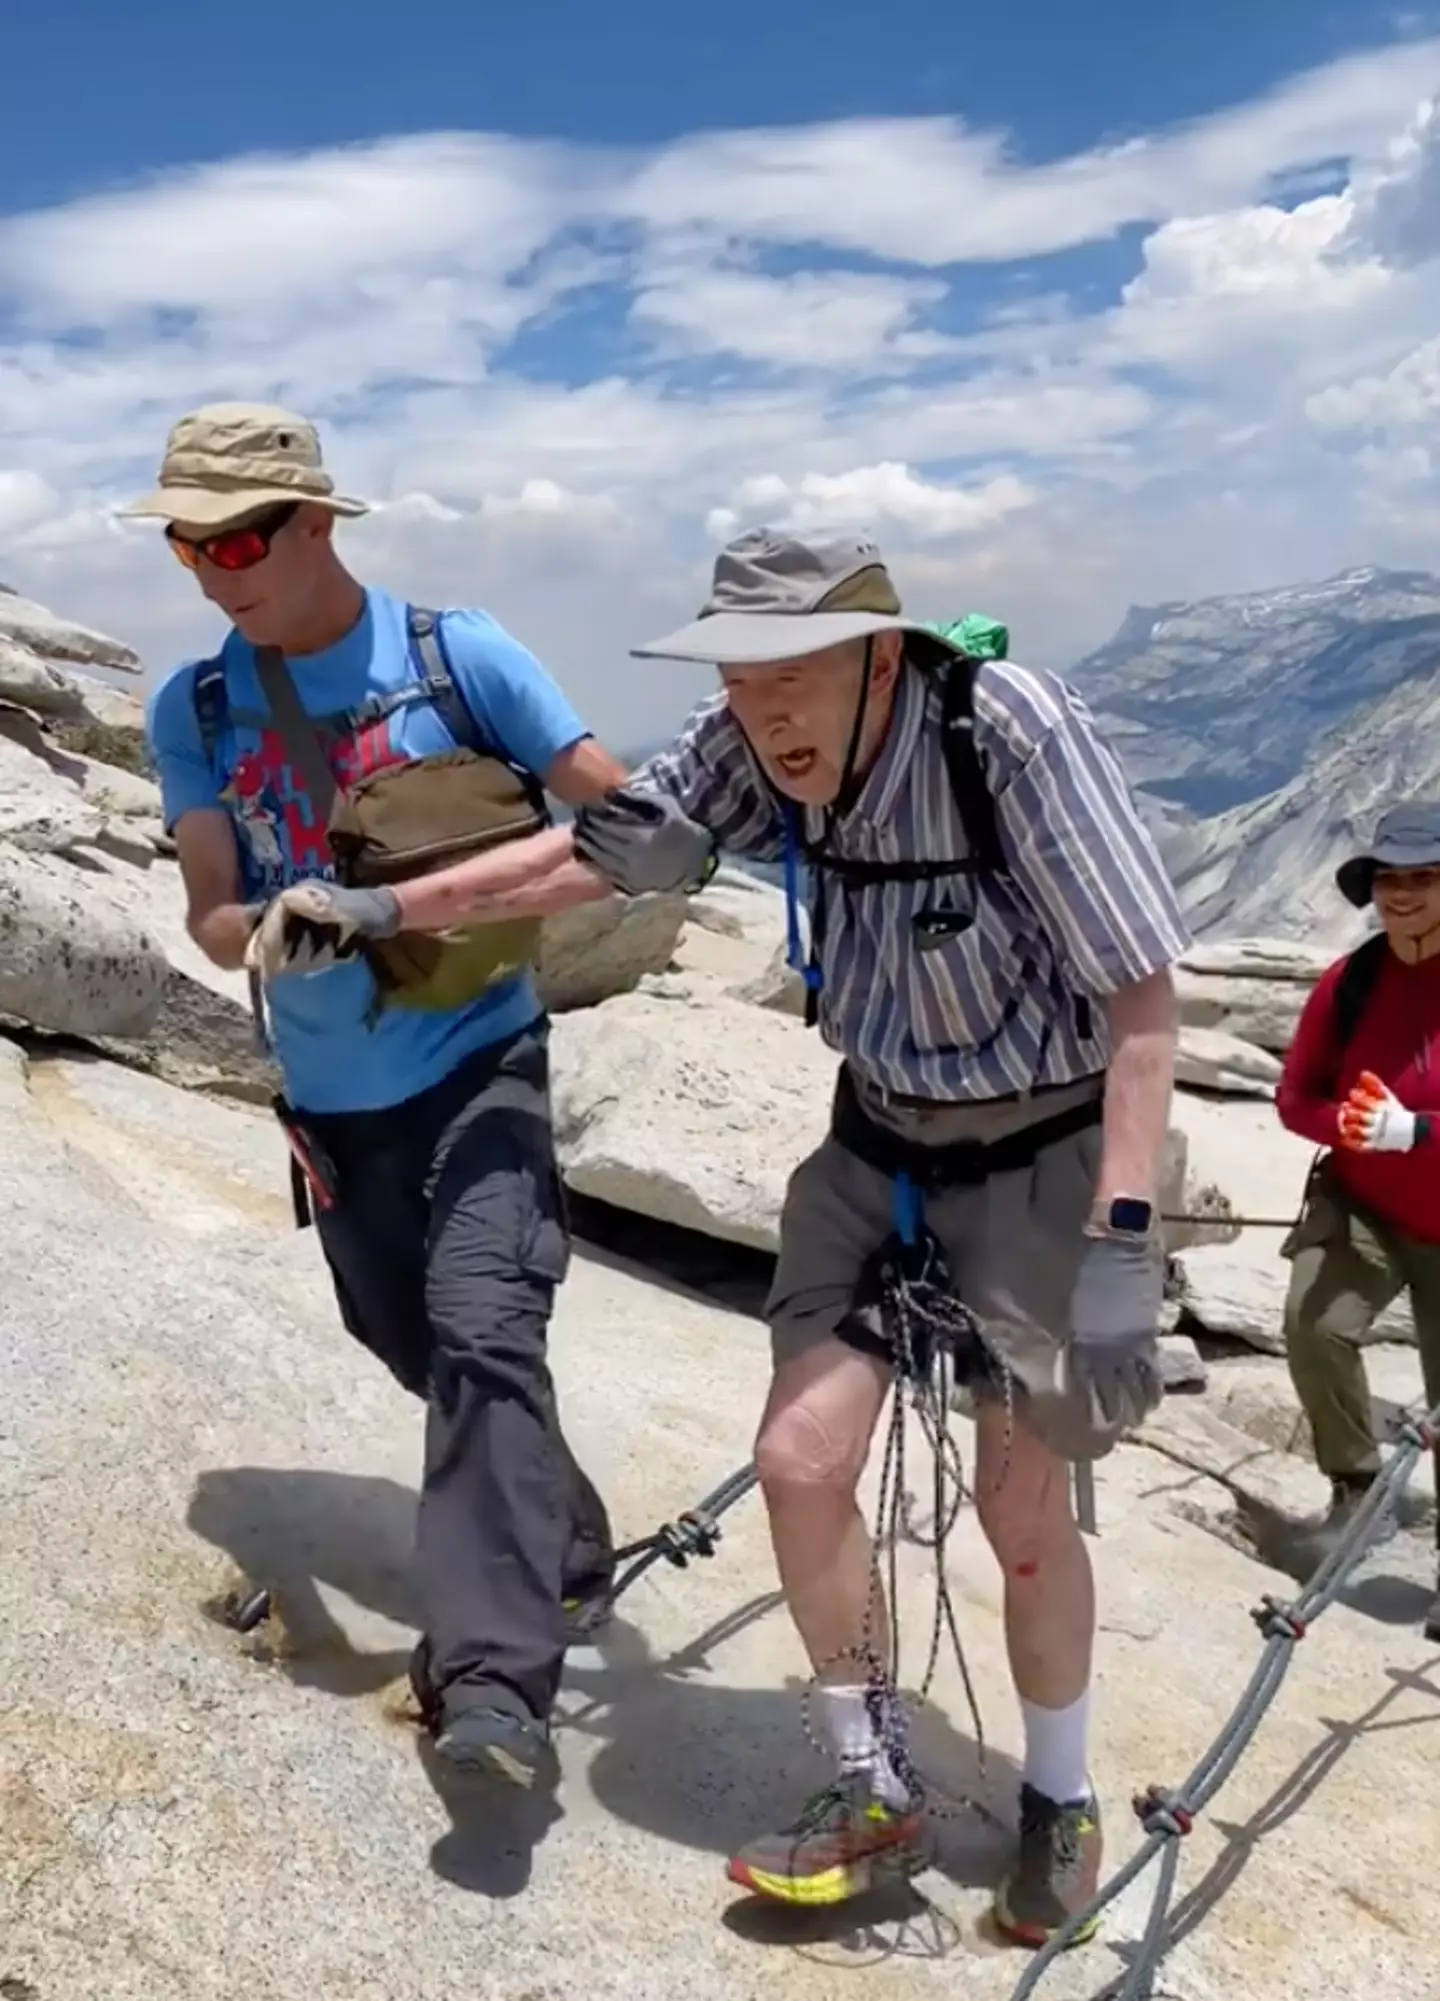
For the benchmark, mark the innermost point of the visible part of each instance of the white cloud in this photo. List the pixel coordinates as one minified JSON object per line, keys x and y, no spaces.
{"x":561,"y":372}
{"x":878,"y":494}
{"x":25,"y":501}
{"x":934,"y":191}
{"x":1397,"y":203}
{"x":809,"y":320}
{"x":1409,"y":395}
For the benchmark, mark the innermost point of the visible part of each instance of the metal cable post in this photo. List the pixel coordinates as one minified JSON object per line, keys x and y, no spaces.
{"x":1167,"y":1817}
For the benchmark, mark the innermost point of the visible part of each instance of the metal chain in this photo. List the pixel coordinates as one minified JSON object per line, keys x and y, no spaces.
{"x":1167,"y":1817}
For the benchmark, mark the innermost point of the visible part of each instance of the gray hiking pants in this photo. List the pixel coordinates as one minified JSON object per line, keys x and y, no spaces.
{"x":446,"y":1243}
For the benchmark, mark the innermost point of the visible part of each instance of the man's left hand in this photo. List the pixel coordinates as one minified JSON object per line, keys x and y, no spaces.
{"x":1111,"y":1363}
{"x":315,"y":925}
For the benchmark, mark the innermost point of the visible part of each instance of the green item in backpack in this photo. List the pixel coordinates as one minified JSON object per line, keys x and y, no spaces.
{"x":980,"y":637}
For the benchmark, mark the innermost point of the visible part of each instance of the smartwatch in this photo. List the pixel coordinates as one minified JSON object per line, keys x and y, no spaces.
{"x":1122,"y":1216}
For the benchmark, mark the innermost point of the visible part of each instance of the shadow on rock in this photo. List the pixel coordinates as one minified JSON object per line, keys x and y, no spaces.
{"x":1279,"y":1541}
{"x":293,"y":1531}
{"x":890,"y":1923}
{"x":693,"y":1762}
{"x":709,"y":1767}
{"x":494,"y":1829}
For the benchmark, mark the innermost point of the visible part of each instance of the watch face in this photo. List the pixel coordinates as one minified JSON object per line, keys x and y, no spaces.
{"x":1128,"y":1213}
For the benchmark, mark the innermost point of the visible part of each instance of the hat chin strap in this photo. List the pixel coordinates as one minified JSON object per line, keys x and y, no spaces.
{"x":1416,"y":949}
{"x":849,"y":787}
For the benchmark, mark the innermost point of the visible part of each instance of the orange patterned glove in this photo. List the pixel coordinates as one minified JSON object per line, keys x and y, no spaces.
{"x":1373,"y":1120}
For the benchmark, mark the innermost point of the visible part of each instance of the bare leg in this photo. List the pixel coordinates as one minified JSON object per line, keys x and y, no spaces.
{"x":814,"y":1439}
{"x":1050,"y":1635}
{"x":1025,"y":1511}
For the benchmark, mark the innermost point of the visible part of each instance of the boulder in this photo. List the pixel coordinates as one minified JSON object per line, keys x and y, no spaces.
{"x":40,"y":812}
{"x":1181,"y":1364}
{"x":125,"y":841}
{"x":738,"y":905}
{"x":200,"y":1041}
{"x":21,"y":725}
{"x":33,"y":683}
{"x":1257,"y":958}
{"x":600,"y":949}
{"x":1228,"y":1290}
{"x":778,"y":987}
{"x":689,"y":1111}
{"x":117,"y":791}
{"x":24,"y":624}
{"x":1262,"y":1013}
{"x":70,"y":959}
{"x":1211,"y":1060}
{"x":1255,"y":1393}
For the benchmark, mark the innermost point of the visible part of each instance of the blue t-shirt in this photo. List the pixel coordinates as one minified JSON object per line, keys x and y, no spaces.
{"x":333,"y":1056}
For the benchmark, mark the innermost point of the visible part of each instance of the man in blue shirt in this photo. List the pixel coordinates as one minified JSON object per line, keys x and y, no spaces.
{"x":439,"y":1203}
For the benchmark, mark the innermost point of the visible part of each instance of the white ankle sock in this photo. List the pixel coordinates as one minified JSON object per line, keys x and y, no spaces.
{"x":1056,"y":1742}
{"x":846,"y":1712}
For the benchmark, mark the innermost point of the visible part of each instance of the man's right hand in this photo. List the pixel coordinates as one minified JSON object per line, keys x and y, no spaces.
{"x":315,"y":925}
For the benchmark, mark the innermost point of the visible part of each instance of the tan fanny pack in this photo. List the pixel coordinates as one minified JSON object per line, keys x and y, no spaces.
{"x":409,"y":820}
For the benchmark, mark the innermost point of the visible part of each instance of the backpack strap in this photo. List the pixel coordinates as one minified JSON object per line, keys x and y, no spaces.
{"x":968,"y":782}
{"x":301,"y":739}
{"x":439,"y":684}
{"x":211,"y":705}
{"x":438,"y":681}
{"x":1356,"y":983}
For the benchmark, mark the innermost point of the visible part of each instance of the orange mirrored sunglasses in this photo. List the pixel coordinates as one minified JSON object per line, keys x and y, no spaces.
{"x":239,"y":548}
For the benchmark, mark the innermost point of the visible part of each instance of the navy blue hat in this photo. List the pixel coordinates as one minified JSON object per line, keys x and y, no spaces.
{"x":1406,"y":837}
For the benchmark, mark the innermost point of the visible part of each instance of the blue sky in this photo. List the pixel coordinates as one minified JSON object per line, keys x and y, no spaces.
{"x":1073,"y":306}
{"x":1057,"y":75}
{"x":1060,"y":76}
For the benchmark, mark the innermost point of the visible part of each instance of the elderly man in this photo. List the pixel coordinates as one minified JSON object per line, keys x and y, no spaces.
{"x":991,"y":938}
{"x":1362,"y":1080}
{"x":420,"y":1105}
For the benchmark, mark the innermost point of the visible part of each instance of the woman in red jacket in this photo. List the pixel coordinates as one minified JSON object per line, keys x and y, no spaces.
{"x":1370,"y":1226}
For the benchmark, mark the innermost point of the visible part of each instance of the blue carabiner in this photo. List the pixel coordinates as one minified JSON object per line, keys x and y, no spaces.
{"x":907,"y":1208}
{"x":794,"y":950}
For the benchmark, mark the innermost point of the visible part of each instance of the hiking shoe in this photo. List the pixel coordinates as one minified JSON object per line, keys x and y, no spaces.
{"x":1057,"y":1871}
{"x":498,"y":1743}
{"x":1318,"y":1539}
{"x":843,"y":1838}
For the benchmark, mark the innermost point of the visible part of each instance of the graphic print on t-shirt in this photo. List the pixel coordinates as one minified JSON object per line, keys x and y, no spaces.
{"x":283,"y":832}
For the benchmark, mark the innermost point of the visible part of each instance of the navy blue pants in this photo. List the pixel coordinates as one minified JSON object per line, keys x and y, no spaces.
{"x":446,"y":1243}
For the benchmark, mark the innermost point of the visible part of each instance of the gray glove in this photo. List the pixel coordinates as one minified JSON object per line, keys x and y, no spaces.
{"x":315,"y":925}
{"x":1110,"y":1366}
{"x":641,"y":841}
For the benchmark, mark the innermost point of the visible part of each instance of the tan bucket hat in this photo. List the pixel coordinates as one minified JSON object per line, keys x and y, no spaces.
{"x":228,"y":459}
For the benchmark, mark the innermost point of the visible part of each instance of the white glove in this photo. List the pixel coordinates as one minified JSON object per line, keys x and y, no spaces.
{"x":315,"y":925}
{"x":1373,"y":1120}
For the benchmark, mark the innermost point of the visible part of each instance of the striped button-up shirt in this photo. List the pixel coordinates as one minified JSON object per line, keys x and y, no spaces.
{"x":1013,"y":1001}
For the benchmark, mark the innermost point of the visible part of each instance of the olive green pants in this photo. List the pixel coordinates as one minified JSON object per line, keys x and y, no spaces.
{"x":1346,"y":1268}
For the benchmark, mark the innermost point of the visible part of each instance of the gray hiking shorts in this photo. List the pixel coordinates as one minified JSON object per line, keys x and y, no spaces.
{"x":1013,"y":1242}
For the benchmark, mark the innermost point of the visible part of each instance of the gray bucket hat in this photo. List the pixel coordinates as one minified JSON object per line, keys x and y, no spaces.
{"x":1405,"y":837}
{"x":776,"y":597}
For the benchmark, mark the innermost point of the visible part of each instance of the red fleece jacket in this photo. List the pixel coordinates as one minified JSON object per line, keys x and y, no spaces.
{"x":1398,"y":1038}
